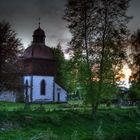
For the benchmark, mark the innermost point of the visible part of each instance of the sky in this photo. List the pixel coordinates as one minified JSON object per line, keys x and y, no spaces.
{"x":24,"y":14}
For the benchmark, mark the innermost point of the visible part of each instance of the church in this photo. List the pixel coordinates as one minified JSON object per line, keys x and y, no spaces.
{"x":40,"y":71}
{"x":39,"y":74}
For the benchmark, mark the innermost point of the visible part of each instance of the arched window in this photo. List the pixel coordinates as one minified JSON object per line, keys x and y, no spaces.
{"x":42,"y":87}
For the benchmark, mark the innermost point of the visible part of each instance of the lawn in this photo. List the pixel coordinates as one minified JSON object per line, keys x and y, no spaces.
{"x":60,"y":122}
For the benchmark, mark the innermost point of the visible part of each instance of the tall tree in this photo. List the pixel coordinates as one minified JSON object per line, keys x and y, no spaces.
{"x":65,"y":72}
{"x":101,"y":23}
{"x":60,"y":64}
{"x":10,"y":49}
{"x":112,"y":35}
{"x":81,"y":18}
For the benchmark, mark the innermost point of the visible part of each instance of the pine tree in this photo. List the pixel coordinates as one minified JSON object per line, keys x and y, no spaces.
{"x":60,"y":65}
{"x":10,"y":49}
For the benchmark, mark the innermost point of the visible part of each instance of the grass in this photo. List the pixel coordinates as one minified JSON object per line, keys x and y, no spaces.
{"x":9,"y":106}
{"x":68,"y":124}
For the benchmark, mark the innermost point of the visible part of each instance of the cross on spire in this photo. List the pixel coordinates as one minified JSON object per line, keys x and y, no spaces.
{"x":39,"y":22}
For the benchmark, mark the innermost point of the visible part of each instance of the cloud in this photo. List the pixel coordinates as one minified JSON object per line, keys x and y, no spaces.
{"x":23,"y":15}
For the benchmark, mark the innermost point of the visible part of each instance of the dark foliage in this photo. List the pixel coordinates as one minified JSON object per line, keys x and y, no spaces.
{"x":10,"y":49}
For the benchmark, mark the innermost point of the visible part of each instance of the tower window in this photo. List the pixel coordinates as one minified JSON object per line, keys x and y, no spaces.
{"x":42,"y":87}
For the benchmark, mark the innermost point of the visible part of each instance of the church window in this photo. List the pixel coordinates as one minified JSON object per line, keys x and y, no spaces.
{"x":42,"y":87}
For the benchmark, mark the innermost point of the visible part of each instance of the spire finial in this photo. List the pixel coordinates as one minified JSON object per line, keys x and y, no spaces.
{"x":39,"y":22}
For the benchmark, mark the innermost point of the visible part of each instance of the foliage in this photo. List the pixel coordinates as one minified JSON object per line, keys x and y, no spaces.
{"x":48,"y":135}
{"x":74,"y":135}
{"x":60,"y":64}
{"x":135,"y":66}
{"x":99,"y":32}
{"x":65,"y":72}
{"x":10,"y":49}
{"x":98,"y":134}
{"x":135,"y":55}
{"x":134,"y":92}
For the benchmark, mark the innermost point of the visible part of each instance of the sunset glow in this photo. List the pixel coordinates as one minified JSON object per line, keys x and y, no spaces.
{"x":127,"y":72}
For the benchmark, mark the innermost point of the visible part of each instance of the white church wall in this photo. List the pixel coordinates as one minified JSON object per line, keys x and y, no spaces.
{"x":49,"y":80}
{"x":52,"y":89}
{"x":60,"y":94}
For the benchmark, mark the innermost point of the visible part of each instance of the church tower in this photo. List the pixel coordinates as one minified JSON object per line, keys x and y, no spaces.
{"x":39,"y":69}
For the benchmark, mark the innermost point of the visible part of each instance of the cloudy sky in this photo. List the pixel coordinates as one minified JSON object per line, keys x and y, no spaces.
{"x":24,"y":14}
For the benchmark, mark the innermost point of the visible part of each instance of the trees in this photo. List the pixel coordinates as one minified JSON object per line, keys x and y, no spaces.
{"x":10,"y":49}
{"x":135,"y":55}
{"x":65,"y":73}
{"x":134,"y":93}
{"x":60,"y":64}
{"x":98,"y":29}
{"x":112,"y":35}
{"x":81,"y":18}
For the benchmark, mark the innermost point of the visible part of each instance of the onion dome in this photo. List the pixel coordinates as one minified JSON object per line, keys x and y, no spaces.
{"x":39,"y":36}
{"x":39,"y":32}
{"x":38,"y":49}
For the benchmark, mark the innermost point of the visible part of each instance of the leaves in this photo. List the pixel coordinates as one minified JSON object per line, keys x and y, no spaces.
{"x":99,"y":33}
{"x":135,"y":55}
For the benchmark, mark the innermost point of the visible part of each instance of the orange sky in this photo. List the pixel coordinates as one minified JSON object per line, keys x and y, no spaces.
{"x":127,"y":72}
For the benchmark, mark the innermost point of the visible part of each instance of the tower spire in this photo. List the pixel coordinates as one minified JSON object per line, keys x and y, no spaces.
{"x":39,"y":34}
{"x":39,"y":22}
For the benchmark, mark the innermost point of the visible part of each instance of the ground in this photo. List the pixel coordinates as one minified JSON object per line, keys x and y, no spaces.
{"x":68,"y":122}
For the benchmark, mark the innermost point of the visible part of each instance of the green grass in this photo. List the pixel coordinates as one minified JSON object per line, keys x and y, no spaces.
{"x":58,"y":124}
{"x":9,"y":106}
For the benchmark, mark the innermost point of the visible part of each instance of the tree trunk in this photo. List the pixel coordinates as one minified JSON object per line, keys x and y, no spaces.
{"x":94,"y":107}
{"x":102,"y":54}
